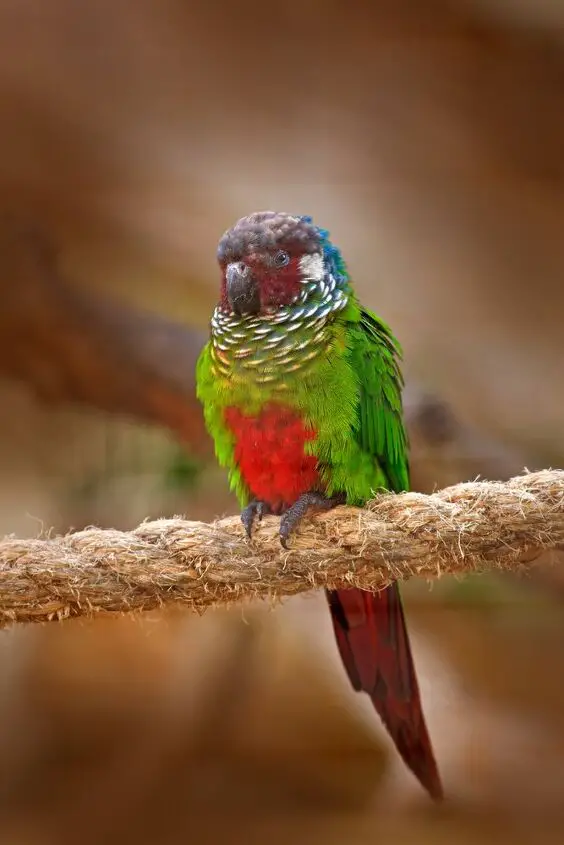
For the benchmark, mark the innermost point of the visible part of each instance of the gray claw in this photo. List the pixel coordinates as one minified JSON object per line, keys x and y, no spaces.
{"x":254,"y":511}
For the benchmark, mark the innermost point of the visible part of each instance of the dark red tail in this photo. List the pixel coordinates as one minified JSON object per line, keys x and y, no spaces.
{"x":374,"y":646}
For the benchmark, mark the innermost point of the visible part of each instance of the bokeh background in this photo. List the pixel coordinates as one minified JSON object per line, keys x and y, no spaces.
{"x":428,"y":138}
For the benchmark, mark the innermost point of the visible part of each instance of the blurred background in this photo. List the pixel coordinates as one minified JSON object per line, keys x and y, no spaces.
{"x":428,"y":138}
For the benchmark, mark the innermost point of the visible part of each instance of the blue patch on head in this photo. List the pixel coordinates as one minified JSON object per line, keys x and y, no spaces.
{"x":331,"y":254}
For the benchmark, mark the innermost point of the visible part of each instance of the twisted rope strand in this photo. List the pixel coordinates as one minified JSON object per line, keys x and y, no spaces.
{"x":470,"y":527}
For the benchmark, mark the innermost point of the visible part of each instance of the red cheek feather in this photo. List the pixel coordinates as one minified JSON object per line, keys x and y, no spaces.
{"x":277,"y":287}
{"x":269,"y":451}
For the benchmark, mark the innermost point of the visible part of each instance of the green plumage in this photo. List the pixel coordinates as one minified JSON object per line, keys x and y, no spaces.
{"x":301,"y":389}
{"x":350,"y":394}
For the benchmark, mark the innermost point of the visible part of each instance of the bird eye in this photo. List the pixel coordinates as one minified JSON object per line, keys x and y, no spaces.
{"x":281,"y":259}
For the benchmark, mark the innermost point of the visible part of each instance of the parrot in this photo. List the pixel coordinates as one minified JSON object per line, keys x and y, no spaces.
{"x":301,"y":391}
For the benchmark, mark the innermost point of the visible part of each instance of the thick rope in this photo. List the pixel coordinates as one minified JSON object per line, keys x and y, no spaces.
{"x":466,"y":528}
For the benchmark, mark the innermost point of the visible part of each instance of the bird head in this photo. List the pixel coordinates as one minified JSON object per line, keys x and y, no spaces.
{"x":272,"y":260}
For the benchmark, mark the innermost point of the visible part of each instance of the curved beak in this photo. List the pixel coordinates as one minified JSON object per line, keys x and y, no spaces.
{"x":242,"y":289}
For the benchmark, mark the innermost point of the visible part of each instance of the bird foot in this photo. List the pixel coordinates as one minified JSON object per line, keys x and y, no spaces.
{"x":307,"y":502}
{"x":254,"y":512}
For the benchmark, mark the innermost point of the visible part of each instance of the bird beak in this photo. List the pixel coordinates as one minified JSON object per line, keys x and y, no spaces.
{"x":242,"y":289}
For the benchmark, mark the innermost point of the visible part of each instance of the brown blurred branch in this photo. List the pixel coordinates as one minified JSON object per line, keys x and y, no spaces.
{"x":69,"y":344}
{"x":465,"y":528}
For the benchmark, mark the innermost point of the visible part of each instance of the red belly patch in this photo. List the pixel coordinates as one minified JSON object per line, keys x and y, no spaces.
{"x":269,"y":451}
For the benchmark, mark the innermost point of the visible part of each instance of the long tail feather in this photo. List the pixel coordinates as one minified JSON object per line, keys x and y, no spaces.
{"x":374,"y":646}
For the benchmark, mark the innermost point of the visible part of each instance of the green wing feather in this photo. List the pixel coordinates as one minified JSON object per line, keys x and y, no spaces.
{"x":370,"y":628}
{"x":380,"y":431}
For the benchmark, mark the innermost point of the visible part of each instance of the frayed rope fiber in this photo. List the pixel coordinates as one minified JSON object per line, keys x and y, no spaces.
{"x":470,"y":527}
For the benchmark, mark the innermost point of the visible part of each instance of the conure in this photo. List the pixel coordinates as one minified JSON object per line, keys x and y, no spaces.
{"x":301,"y":390}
